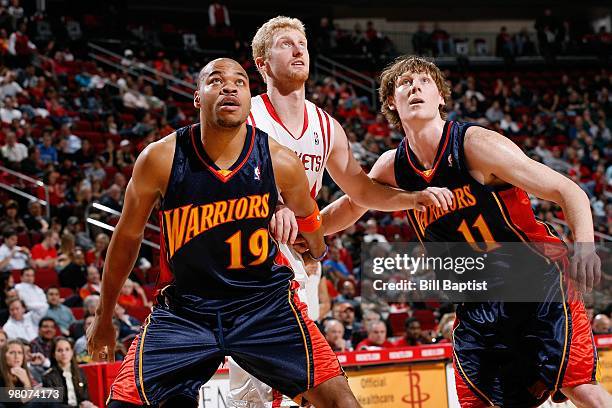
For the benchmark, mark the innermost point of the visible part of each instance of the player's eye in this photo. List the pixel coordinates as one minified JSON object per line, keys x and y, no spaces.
{"x":425,"y":80}
{"x":240,"y":82}
{"x":215,"y":81}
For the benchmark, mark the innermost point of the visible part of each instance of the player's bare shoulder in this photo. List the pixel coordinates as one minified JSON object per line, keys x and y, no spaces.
{"x":383,"y":170}
{"x":155,"y":162}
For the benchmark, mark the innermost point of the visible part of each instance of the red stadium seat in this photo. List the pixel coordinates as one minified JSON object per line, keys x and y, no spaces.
{"x":139,"y":312}
{"x":78,"y":312}
{"x":397,"y":321}
{"x":66,"y":292}
{"x":426,"y":318}
{"x":46,"y":277}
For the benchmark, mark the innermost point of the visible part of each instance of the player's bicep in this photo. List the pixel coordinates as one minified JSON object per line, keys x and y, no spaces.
{"x":383,"y":170}
{"x":491,"y":153}
{"x":143,"y":191}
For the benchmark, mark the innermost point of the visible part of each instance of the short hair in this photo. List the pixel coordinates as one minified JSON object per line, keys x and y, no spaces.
{"x":52,"y":287}
{"x":411,"y":320}
{"x":12,"y":300}
{"x":9,"y":233}
{"x":27,"y":268}
{"x":370,"y":325}
{"x":409,"y":63}
{"x":262,"y":41}
{"x":46,"y":319}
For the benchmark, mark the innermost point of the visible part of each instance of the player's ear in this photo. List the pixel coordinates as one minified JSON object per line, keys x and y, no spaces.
{"x":196,"y":99}
{"x":391,"y":102}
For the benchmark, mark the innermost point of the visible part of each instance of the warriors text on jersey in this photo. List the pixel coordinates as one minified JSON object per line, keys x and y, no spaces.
{"x":215,"y":222}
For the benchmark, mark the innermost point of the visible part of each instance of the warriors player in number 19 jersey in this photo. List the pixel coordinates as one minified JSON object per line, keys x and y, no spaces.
{"x":506,"y":354}
{"x":281,"y":55}
{"x":231,"y":293}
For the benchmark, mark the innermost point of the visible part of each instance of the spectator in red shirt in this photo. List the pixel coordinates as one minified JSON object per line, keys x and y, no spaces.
{"x":414,"y":335}
{"x":44,"y":254}
{"x":377,"y":337}
{"x":380,"y":128}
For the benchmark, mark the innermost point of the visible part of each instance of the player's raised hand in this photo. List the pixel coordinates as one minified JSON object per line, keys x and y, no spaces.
{"x":283,"y":225}
{"x":101,"y":339}
{"x":436,"y":196}
{"x":585,"y":267}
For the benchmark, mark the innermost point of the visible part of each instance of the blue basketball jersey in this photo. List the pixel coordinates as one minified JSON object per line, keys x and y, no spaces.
{"x":215,"y":222}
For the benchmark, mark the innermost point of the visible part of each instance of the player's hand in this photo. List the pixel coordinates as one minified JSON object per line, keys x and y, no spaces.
{"x":585,"y":267}
{"x":283,"y":225}
{"x":101,"y":340}
{"x":437,"y":196}
{"x":300,"y":245}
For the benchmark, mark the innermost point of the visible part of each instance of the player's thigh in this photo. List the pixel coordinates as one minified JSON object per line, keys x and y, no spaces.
{"x":172,"y":355}
{"x":282,"y":347}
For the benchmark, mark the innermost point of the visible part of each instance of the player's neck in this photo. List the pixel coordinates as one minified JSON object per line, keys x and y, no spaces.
{"x":424,"y":138}
{"x":223,"y":145}
{"x":289,"y":106}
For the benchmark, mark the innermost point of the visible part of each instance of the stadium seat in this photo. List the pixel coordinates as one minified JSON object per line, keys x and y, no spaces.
{"x":46,"y":277}
{"x":78,"y":312}
{"x":397,"y":321}
{"x":426,"y":318}
{"x":66,"y":292}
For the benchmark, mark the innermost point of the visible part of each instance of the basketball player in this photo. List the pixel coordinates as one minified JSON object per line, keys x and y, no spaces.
{"x":280,"y":53}
{"x":489,"y":176}
{"x":232,"y":292}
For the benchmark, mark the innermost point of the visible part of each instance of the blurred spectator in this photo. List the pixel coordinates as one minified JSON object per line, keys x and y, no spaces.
{"x":334,"y":266}
{"x":60,"y":313}
{"x":14,"y":371}
{"x":112,"y":198}
{"x":13,"y":151}
{"x":34,"y":219}
{"x":65,"y":374}
{"x":504,"y":46}
{"x":48,"y":152}
{"x":128,"y":325}
{"x":37,"y":363}
{"x":21,"y":324}
{"x":74,"y":275}
{"x":371,"y":232}
{"x":11,"y":219}
{"x":547,"y":26}
{"x":46,"y":332}
{"x":413,"y":336}
{"x":13,"y":257}
{"x":441,"y":41}
{"x":132,"y":295}
{"x":93,"y":284}
{"x":21,"y":47}
{"x":218,"y":15}
{"x":3,"y":338}
{"x":377,"y":337}
{"x":345,"y":313}
{"x":44,"y":254}
{"x":421,"y":41}
{"x":601,"y":324}
{"x":80,"y":347}
{"x":32,"y":295}
{"x":334,"y":334}
{"x":97,"y":255}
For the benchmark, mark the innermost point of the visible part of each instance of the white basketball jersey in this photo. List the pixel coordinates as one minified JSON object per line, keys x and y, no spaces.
{"x":312,"y":146}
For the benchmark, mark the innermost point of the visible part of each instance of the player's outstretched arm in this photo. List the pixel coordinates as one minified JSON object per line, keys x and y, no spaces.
{"x":492,"y":156}
{"x":291,"y":180}
{"x":344,"y":212}
{"x":363,"y":190}
{"x":148,"y":183}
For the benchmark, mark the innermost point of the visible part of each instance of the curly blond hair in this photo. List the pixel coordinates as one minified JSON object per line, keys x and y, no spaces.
{"x":262,"y":41}
{"x":414,"y":64}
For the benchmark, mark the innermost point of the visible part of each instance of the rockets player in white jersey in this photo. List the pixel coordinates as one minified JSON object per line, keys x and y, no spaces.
{"x":281,"y":56}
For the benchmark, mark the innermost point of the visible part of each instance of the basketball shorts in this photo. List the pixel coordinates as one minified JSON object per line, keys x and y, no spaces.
{"x":183,"y":342}
{"x":519,"y":354}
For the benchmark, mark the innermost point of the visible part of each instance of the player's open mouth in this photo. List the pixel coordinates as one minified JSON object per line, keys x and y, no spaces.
{"x":416,"y":101}
{"x":229,"y":103}
{"x":298,"y":64}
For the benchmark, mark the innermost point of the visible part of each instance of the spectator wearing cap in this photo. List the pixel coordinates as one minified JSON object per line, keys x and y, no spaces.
{"x":345,"y":313}
{"x":377,"y":337}
{"x":11,"y":219}
{"x":13,"y":257}
{"x":22,"y":324}
{"x":125,"y":157}
{"x":62,"y":314}
{"x":413,"y":336}
{"x":32,"y":295}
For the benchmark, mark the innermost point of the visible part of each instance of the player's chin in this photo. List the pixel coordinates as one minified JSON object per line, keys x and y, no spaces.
{"x":299,"y":74}
{"x":231,"y":123}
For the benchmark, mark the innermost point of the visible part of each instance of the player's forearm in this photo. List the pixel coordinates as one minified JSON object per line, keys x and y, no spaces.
{"x":120,"y":259}
{"x":341,"y":214}
{"x":371,"y":194}
{"x":577,"y":210}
